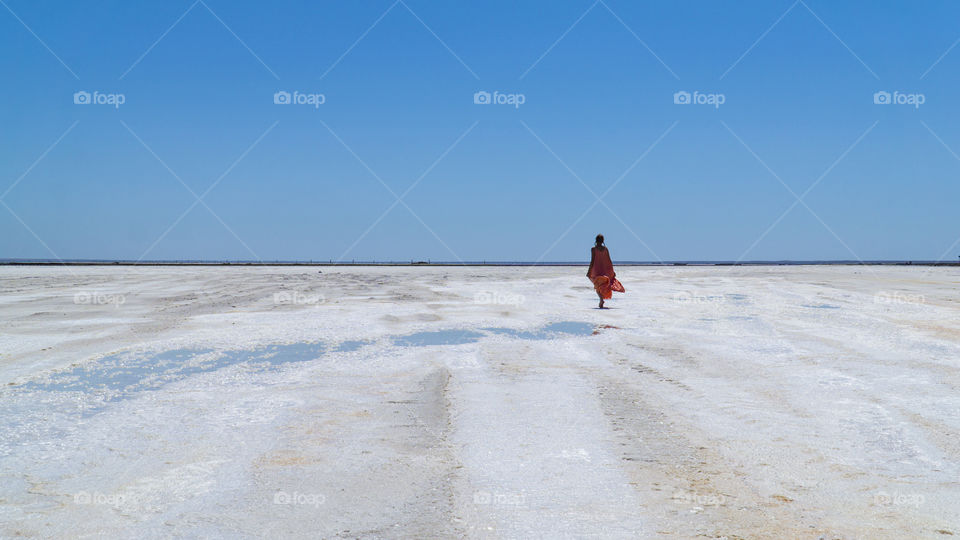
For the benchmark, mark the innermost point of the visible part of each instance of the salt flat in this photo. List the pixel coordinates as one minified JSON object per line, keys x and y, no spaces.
{"x":745,"y":402}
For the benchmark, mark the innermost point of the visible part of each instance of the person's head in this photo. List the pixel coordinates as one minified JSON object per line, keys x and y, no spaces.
{"x":599,"y":240}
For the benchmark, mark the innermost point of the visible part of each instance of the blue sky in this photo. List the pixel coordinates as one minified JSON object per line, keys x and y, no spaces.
{"x":479,"y":181}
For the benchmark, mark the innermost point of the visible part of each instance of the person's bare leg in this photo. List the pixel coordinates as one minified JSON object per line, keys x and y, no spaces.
{"x":601,"y":300}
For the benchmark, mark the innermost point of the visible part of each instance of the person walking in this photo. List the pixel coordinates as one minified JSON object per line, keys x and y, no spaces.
{"x":601,"y":271}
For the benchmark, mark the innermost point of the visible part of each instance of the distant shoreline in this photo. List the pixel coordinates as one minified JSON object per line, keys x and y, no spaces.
{"x":42,"y":262}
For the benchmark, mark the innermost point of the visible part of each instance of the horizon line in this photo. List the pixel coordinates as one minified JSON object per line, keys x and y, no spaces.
{"x":429,"y":262}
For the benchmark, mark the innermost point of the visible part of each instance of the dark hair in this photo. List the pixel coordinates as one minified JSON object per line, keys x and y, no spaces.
{"x":599,"y":239}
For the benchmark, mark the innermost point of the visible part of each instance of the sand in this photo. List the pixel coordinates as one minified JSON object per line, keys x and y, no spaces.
{"x":424,"y":402}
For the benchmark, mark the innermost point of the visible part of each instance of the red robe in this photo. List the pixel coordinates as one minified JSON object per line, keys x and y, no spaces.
{"x":602,"y":275}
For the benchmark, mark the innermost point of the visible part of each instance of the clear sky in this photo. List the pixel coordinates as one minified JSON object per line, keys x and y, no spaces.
{"x":797,"y":162}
